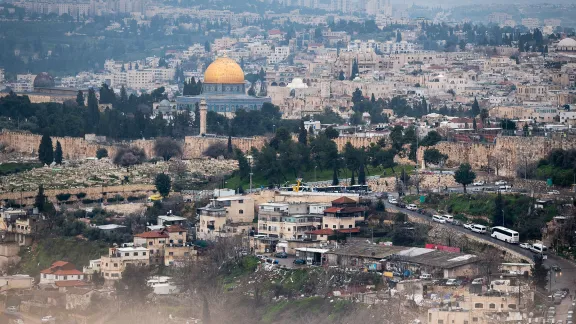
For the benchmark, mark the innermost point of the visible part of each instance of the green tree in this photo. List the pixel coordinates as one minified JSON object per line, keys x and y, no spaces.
{"x":133,"y":285}
{"x":464,"y":175}
{"x":302,"y":134}
{"x":58,"y":153}
{"x":475,"y":110}
{"x":361,"y":175}
{"x":331,"y":133}
{"x":46,"y":150}
{"x":398,"y":36}
{"x":167,"y":148}
{"x":341,"y":76}
{"x":539,"y":273}
{"x":92,"y":114}
{"x":40,"y":200}
{"x":207,"y":46}
{"x":474,"y":126}
{"x":335,"y":180}
{"x":498,"y":212}
{"x":80,"y":98}
{"x":433,"y":156}
{"x":128,"y":156}
{"x":101,"y":153}
{"x":432,"y":138}
{"x":484,"y":115}
{"x":163,"y":184}
{"x":98,"y":279}
{"x":355,"y":71}
{"x":243,"y":165}
{"x":357,"y":96}
{"x":373,"y":99}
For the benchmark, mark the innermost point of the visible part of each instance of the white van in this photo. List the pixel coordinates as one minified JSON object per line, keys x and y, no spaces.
{"x":476,"y":228}
{"x":426,"y":276}
{"x":448,"y":218}
{"x":539,"y":248}
{"x":438,"y":219}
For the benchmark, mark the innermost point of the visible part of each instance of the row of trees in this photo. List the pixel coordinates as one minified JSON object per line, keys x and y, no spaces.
{"x":46,"y":152}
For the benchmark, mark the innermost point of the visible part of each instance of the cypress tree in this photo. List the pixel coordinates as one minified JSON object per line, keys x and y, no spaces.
{"x":40,"y":200}
{"x":362,"y":175}
{"x":80,"y":98}
{"x":303,"y":134}
{"x":58,"y":153}
{"x":45,"y":150}
{"x":230,"y":145}
{"x":335,"y":180}
{"x":93,"y":114}
{"x":475,"y":108}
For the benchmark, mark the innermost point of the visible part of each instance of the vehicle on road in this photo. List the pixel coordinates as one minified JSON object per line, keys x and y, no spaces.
{"x":448,"y":218}
{"x":412,"y":207}
{"x":525,"y":245}
{"x":438,"y":219}
{"x":11,"y":309}
{"x":452,"y":282}
{"x":477,"y":228}
{"x":426,"y":276}
{"x":456,"y":222}
{"x":478,"y":281}
{"x":299,"y":261}
{"x":468,"y":226}
{"x":392,"y":200}
{"x":48,"y":319}
{"x":500,"y":183}
{"x":505,"y":234}
{"x":539,"y":249}
{"x":556,"y":268}
{"x":478,"y":183}
{"x":281,"y":255}
{"x":505,"y":187}
{"x":553,"y":192}
{"x":476,"y":189}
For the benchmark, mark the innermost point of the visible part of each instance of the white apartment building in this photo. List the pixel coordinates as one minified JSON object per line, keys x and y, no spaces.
{"x":142,"y":79}
{"x":223,"y":43}
{"x":259,"y":49}
{"x":279,"y":55}
{"x":531,"y":23}
{"x":225,"y":216}
{"x":113,"y":264}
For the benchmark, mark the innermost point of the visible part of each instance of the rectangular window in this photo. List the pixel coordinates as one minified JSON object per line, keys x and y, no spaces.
{"x":171,"y":253}
{"x":144,"y":253}
{"x":135,"y":253}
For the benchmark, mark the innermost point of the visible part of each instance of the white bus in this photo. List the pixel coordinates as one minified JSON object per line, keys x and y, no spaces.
{"x":505,"y":234}
{"x":476,"y":228}
{"x":539,"y":248}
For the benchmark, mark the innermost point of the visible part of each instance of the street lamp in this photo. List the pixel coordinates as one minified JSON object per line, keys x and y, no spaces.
{"x":315,"y":180}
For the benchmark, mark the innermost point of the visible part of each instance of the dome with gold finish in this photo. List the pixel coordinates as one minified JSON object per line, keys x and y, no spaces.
{"x":224,"y":70}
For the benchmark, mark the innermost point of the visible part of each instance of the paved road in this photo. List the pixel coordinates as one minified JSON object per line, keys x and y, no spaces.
{"x":563,"y":279}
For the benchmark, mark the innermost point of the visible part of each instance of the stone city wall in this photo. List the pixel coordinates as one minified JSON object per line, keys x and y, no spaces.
{"x":93,"y":193}
{"x":508,"y":152}
{"x":75,"y":148}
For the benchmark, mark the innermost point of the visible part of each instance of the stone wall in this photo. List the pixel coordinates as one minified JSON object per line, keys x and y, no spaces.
{"x":508,"y":152}
{"x":91,"y":193}
{"x":194,"y":146}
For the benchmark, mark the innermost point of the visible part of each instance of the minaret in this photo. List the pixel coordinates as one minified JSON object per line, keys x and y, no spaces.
{"x":203,"y":111}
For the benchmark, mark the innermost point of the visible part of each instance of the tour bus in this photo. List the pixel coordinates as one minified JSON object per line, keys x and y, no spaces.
{"x":438,"y":219}
{"x":329,"y":189}
{"x":476,"y":228}
{"x":505,"y":234}
{"x":539,"y":248}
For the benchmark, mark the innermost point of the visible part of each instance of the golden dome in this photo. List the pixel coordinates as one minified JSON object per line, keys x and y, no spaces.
{"x":224,"y":70}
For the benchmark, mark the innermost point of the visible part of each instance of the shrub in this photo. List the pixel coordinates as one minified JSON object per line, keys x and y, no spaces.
{"x":80,"y":195}
{"x":63,"y":196}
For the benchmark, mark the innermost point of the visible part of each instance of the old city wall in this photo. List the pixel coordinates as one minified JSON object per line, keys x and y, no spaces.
{"x":509,"y":152}
{"x":93,"y":193}
{"x":78,"y":148}
{"x":73,"y":148}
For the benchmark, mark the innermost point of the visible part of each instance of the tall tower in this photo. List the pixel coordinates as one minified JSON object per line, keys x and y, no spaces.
{"x":203,"y":111}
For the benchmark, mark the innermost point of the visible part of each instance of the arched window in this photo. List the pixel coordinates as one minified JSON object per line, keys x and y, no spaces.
{"x":241,"y":211}
{"x":478,"y":305}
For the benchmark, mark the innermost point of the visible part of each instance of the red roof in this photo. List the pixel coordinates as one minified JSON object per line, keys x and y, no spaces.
{"x":68,"y":272}
{"x":175,"y":228}
{"x":59,"y":266}
{"x":349,"y":230}
{"x":274,"y":32}
{"x":70,"y":283}
{"x":324,"y":231}
{"x":344,"y":210}
{"x":152,"y":234}
{"x":344,"y":200}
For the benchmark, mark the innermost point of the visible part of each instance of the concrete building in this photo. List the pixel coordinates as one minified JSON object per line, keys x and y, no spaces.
{"x":60,"y":271}
{"x":113,"y":264}
{"x":226,"y":216}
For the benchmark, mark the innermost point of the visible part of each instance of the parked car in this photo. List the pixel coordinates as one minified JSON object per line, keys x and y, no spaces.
{"x":556,"y":268}
{"x":281,"y":255}
{"x":392,"y":200}
{"x":299,"y":261}
{"x":553,"y":192}
{"x":426,"y":276}
{"x":468,"y":226}
{"x":505,"y":187}
{"x":412,"y":207}
{"x":478,"y":183}
{"x":438,"y":219}
{"x":525,"y":245}
{"x":500,"y":183}
{"x":478,"y":281}
{"x":452,"y":282}
{"x":11,"y":309}
{"x":456,"y":222}
{"x":48,"y":319}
